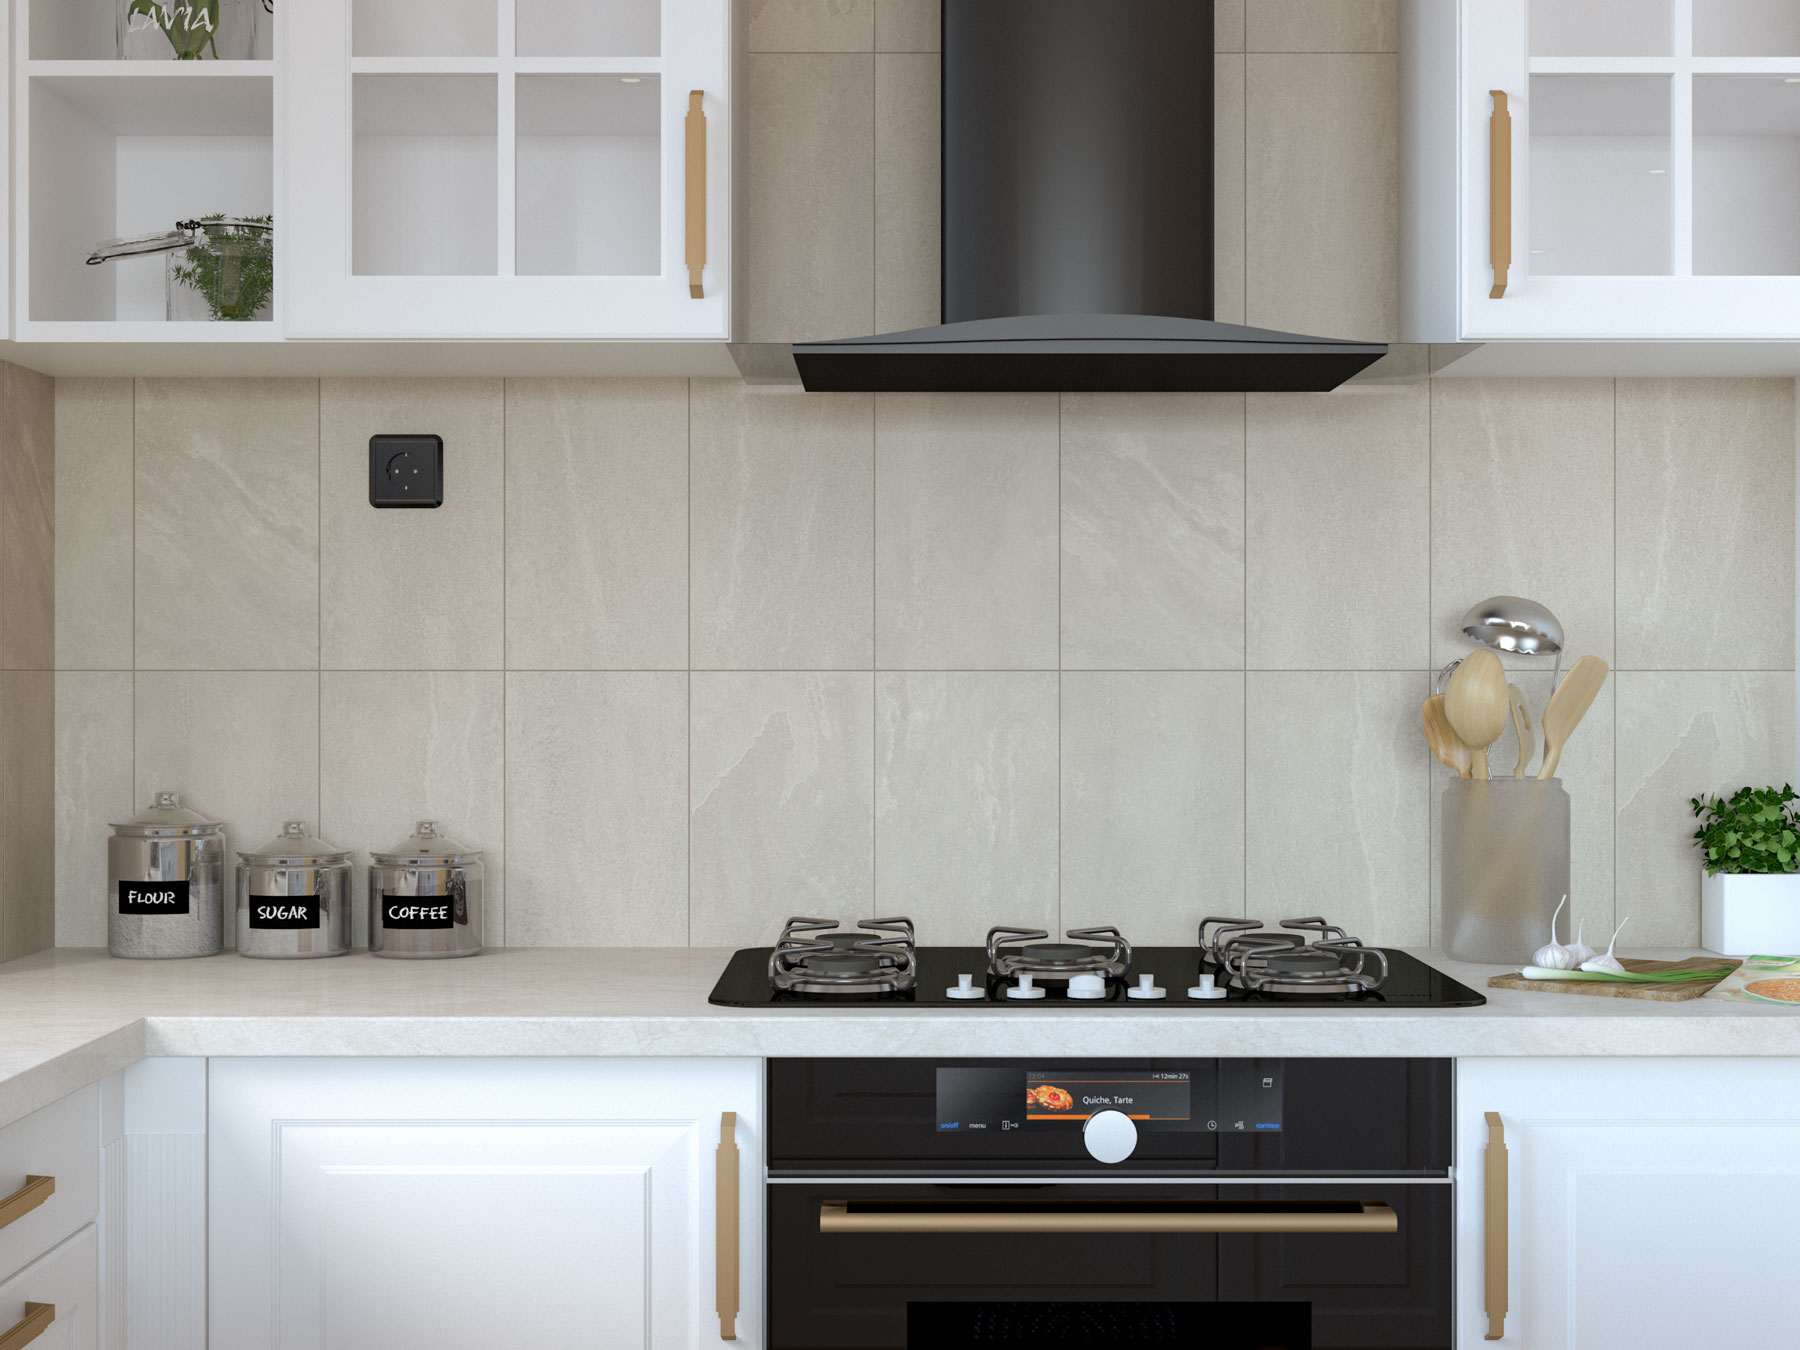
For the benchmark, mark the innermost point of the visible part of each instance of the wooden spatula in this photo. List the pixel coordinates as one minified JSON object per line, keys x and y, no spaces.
{"x":1568,"y":705}
{"x":1477,"y":705}
{"x":1450,"y":749}
{"x":1521,"y":715}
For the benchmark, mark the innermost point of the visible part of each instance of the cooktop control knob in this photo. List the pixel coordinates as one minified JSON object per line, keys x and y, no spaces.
{"x":1024,"y":989}
{"x":1110,"y":1136}
{"x":1087,"y":986}
{"x":964,"y":988}
{"x":1207,"y":989}
{"x":1147,"y":987}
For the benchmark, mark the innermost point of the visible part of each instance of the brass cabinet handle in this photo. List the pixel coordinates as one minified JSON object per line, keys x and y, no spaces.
{"x":28,"y":1197}
{"x":37,"y":1319}
{"x":696,"y":192}
{"x":1499,"y":193}
{"x":1494,"y":1239}
{"x":725,"y":1208}
{"x":1367,"y":1218}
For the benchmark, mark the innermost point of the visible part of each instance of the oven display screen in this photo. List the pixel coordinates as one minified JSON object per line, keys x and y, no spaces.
{"x":1242,"y":1099}
{"x":1163,"y":1097}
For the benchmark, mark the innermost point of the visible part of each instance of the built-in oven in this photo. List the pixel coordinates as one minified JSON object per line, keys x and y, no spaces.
{"x":1267,"y":1204}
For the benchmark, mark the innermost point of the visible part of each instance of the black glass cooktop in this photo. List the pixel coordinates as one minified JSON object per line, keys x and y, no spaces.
{"x":1410,"y":984}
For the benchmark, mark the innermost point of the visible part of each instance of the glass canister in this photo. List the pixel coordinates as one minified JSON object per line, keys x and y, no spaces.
{"x":293,"y":897}
{"x":164,"y":870}
{"x":425,"y":897}
{"x":189,"y":30}
{"x":215,"y":268}
{"x":1505,"y":866}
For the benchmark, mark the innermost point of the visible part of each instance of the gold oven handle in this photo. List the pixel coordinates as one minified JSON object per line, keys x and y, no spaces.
{"x":725,"y":1206}
{"x":1495,"y":1237}
{"x":37,"y":1319}
{"x":696,"y":192}
{"x":1499,"y":193}
{"x":28,"y":1197}
{"x":1368,"y":1218}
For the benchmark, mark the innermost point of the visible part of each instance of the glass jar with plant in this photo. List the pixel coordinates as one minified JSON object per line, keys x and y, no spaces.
{"x":227,"y":272}
{"x":188,"y":30}
{"x":1750,"y":871}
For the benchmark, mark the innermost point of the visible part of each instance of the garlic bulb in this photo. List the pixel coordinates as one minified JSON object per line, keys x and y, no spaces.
{"x":1553,"y":955}
{"x":1582,"y":951}
{"x":1609,"y":961}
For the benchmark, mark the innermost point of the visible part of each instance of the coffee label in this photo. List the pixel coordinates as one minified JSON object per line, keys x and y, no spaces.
{"x":417,"y":911}
{"x":153,"y":897}
{"x":284,"y":911}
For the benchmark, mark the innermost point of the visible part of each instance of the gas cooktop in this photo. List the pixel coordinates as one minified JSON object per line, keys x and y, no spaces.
{"x":1299,"y":963}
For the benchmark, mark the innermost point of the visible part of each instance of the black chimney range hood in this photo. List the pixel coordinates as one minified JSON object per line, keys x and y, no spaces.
{"x":1078,"y":218}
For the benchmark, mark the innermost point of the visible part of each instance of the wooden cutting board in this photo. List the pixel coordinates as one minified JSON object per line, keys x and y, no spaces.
{"x":1658,"y":993}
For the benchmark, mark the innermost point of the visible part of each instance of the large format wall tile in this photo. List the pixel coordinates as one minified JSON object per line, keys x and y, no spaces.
{"x":27,"y":519}
{"x":1322,"y":195}
{"x":1323,"y":26}
{"x":1706,"y":524}
{"x":1152,"y":802}
{"x":810,"y":25}
{"x":908,"y":25}
{"x":908,"y":94}
{"x":93,"y":790}
{"x":1229,"y":137}
{"x":241,"y":746}
{"x":966,"y":531}
{"x":783,"y":548}
{"x":966,"y":802}
{"x":398,"y":747}
{"x":227,"y":524}
{"x":27,"y":812}
{"x":391,"y":577}
{"x":1336,"y":793}
{"x":1339,"y":529}
{"x":1228,"y":25}
{"x":807,"y":252}
{"x":1522,"y":504}
{"x":783,"y":803}
{"x":1153,"y":531}
{"x":1685,"y":735}
{"x":596,"y":524}
{"x":596,"y":809}
{"x":93,"y":524}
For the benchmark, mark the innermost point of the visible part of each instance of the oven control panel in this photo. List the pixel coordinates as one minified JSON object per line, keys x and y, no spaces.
{"x":1242,"y":1098}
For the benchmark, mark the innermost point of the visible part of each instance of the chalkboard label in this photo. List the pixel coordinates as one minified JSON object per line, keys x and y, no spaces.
{"x":153,"y":897}
{"x":416,"y":911}
{"x":284,"y":911}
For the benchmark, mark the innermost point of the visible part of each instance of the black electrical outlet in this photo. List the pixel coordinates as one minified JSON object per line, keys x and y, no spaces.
{"x":406,"y":471}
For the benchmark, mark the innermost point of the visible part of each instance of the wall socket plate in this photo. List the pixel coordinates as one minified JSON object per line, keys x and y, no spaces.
{"x":406,"y":471}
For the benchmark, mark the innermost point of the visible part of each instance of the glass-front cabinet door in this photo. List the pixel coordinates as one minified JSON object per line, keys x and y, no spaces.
{"x":509,"y":168}
{"x":1631,"y":168}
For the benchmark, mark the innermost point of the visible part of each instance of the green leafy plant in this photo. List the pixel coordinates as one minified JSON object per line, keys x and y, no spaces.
{"x":1755,"y":832}
{"x":232,"y":266}
{"x":191,"y":26}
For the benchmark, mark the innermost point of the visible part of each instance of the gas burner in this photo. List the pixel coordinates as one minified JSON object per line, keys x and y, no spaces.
{"x":1261,"y":962}
{"x":1018,"y":952}
{"x":812,"y":958}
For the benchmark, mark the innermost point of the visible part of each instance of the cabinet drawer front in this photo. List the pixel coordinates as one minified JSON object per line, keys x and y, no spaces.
{"x":66,"y":1280}
{"x":62,"y":1142}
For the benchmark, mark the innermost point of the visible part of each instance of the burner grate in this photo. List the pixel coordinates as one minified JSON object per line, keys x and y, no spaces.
{"x":814,"y":956}
{"x":1330,"y":961}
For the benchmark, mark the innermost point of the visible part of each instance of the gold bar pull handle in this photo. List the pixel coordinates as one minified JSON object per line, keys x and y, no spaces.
{"x":696,"y":195}
{"x":28,"y":1197}
{"x":1495,"y":1237}
{"x":725,"y":1209}
{"x":37,"y":1320}
{"x":1368,"y":1217}
{"x":1499,"y":193}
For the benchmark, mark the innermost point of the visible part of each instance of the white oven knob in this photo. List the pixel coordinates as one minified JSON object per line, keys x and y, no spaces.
{"x":965,"y":988}
{"x":1087,"y":986}
{"x":1110,"y":1136}
{"x":1147,"y":987}
{"x":1025,"y":989}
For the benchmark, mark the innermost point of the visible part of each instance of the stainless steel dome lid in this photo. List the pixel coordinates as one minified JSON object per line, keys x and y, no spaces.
{"x":167,"y":818}
{"x":425,"y":847}
{"x":295,"y":847}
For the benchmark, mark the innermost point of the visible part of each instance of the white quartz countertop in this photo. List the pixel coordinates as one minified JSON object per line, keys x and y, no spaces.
{"x":70,"y":1017}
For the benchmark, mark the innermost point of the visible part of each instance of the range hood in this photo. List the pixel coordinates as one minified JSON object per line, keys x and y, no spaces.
{"x":1078,"y":218}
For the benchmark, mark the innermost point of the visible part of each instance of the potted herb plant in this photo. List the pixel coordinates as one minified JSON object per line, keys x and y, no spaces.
{"x":1750,"y":872}
{"x":188,"y":30}
{"x":228,"y":272}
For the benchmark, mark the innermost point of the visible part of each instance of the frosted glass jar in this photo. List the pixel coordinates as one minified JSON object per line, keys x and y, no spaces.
{"x":164,"y":870}
{"x":1505,"y":866}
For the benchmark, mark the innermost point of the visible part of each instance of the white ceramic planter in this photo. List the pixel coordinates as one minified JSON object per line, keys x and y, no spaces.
{"x":1744,"y":915}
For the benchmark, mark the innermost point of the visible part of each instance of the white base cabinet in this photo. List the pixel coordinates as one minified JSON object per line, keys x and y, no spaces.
{"x":1645,"y":1200}
{"x":62,"y":1286}
{"x":367,"y":1204}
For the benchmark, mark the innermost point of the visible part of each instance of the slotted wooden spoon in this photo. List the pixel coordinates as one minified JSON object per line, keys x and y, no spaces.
{"x":1451,"y":751}
{"x":1568,"y":705}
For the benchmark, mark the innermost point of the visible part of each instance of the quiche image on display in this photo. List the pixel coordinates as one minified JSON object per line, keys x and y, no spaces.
{"x":1052,"y":1098}
{"x":1785,"y":989}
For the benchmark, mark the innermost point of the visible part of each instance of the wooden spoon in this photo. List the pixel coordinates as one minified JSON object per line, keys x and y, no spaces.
{"x":1477,"y":705}
{"x":1449,"y":748}
{"x":1521,"y":716}
{"x":1568,"y":705}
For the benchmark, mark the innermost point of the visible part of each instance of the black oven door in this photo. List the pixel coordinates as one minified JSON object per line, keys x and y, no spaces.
{"x":860,"y":1266}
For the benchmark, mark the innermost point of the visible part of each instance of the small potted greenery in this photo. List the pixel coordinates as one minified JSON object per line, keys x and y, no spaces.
{"x":1750,"y":872}
{"x":228,"y":272}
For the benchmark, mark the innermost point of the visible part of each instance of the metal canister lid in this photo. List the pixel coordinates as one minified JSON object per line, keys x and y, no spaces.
{"x":425,"y":847}
{"x":295,"y":847}
{"x":167,"y":818}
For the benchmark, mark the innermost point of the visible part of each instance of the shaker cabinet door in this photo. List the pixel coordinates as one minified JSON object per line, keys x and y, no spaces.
{"x":509,"y":169}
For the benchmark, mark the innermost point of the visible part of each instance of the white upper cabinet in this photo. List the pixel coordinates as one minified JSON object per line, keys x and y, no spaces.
{"x":1600,"y":169}
{"x":507,"y":168}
